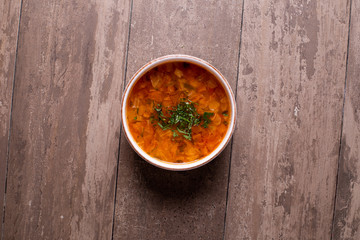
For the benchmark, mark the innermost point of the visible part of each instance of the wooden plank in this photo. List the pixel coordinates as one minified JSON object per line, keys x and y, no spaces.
{"x":347,"y":209}
{"x":290,"y":92}
{"x":66,"y":120}
{"x":156,"y":204}
{"x":9,"y":25}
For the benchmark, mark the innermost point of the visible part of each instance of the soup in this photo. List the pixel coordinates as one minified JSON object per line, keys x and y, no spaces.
{"x":178,"y":112}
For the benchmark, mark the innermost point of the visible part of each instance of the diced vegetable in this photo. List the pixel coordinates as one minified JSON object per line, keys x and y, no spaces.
{"x":178,"y":73}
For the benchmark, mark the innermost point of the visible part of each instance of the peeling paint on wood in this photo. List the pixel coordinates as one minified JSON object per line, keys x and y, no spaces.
{"x":66,"y":120}
{"x":290,"y":92}
{"x":347,"y":210}
{"x":158,"y":204}
{"x":9,"y":23}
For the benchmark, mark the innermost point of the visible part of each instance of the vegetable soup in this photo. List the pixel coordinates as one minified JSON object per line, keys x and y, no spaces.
{"x":178,"y":112}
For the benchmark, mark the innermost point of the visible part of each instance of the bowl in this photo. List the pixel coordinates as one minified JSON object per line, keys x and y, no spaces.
{"x":171,"y":59}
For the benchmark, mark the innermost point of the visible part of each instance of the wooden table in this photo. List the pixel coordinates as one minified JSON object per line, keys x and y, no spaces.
{"x":291,"y":171}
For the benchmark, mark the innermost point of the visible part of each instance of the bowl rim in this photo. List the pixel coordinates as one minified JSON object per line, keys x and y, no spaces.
{"x":178,"y":58}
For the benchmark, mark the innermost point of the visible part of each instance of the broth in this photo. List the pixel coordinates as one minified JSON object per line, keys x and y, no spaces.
{"x":178,"y":112}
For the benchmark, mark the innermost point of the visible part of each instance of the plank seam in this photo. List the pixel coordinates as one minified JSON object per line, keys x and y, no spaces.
{"x":10,"y":122}
{"x":341,"y":127}
{"x":124,"y":84}
{"x":232,"y":140}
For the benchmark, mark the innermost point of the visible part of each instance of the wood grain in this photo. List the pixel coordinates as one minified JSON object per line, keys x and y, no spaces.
{"x":290,"y":93}
{"x":347,"y":212}
{"x":66,"y":120}
{"x":9,"y":25}
{"x":156,"y":204}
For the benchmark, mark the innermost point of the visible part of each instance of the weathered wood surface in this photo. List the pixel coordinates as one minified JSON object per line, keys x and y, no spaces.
{"x":347,"y":212}
{"x":9,"y":25}
{"x":289,"y":96}
{"x":158,"y":204}
{"x":65,"y":129}
{"x":66,"y":119}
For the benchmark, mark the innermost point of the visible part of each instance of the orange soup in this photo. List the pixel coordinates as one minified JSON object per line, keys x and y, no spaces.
{"x":178,"y":112}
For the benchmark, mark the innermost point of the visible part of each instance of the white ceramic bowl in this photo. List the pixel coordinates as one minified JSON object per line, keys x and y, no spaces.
{"x":178,"y":58}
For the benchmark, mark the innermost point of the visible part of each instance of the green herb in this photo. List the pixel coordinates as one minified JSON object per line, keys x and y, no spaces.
{"x":186,"y":133}
{"x":206,"y":119}
{"x":187,"y":137}
{"x":135,"y":117}
{"x":163,"y":127}
{"x":181,"y":118}
{"x":158,"y":109}
{"x":152,"y":118}
{"x":225,"y":113}
{"x":174,"y":133}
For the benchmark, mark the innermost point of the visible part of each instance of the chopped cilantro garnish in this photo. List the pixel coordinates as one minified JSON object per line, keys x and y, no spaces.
{"x":163,"y":127}
{"x":174,"y":133}
{"x":206,"y":119}
{"x":188,"y":137}
{"x":181,"y":118}
{"x":152,"y":118}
